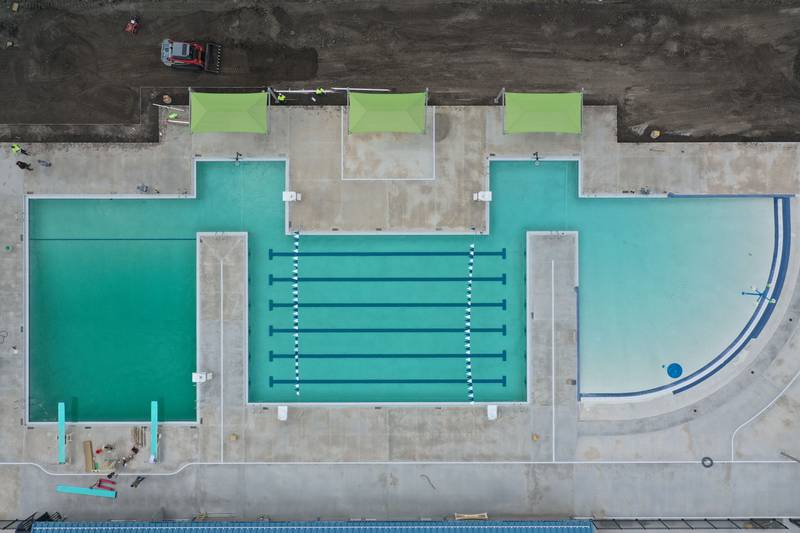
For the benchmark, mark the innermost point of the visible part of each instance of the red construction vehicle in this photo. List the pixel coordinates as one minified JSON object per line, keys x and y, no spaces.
{"x":133,"y":26}
{"x":192,"y":56}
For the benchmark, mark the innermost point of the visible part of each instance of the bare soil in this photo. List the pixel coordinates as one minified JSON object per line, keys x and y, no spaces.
{"x":721,"y":70}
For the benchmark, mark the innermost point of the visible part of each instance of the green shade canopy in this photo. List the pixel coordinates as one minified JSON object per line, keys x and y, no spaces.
{"x":542,"y":112}
{"x":229,"y":112}
{"x":387,"y":112}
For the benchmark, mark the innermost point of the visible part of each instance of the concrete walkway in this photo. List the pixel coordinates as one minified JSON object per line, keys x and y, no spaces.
{"x":308,"y":492}
{"x":760,"y":397}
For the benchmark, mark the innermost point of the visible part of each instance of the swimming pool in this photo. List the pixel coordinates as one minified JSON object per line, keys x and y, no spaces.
{"x":661,"y":279}
{"x":379,"y":318}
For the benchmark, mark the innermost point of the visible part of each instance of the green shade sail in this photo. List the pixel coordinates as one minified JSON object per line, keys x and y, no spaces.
{"x":387,"y":112}
{"x":229,"y":112}
{"x":542,"y":112}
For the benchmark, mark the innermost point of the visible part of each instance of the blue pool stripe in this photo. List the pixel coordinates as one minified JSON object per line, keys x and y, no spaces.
{"x":273,"y":330}
{"x":785,"y":250}
{"x":432,"y":381}
{"x":499,"y":355}
{"x":498,"y":279}
{"x":273,"y":253}
{"x":500,"y":305}
{"x":677,"y":195}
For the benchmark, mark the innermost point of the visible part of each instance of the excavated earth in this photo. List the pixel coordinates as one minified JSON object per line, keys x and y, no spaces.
{"x":710,"y":70}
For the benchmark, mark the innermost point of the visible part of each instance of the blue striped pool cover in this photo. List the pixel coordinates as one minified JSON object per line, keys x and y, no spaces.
{"x":565,"y":526}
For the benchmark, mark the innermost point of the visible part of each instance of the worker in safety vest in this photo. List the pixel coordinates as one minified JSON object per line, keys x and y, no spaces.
{"x":17,"y":149}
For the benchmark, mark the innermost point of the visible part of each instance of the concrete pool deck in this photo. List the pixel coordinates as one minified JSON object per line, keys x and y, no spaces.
{"x":513,"y":455}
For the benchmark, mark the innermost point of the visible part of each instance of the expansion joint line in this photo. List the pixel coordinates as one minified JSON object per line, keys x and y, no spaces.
{"x":468,"y":326}
{"x":296,"y":310}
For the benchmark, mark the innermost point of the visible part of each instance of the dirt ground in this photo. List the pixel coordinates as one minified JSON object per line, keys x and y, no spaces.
{"x":724,"y":70}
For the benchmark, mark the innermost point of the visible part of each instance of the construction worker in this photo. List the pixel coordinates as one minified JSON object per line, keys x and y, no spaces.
{"x":281,"y":98}
{"x":17,"y":149}
{"x":319,"y":91}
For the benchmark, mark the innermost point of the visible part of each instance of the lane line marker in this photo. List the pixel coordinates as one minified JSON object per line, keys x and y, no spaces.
{"x":296,"y":310}
{"x":468,"y":326}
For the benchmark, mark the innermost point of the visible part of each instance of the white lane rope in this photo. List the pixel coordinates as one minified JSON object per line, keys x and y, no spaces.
{"x":468,"y":326}
{"x":296,"y":310}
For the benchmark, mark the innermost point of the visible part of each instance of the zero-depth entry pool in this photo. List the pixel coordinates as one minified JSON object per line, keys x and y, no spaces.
{"x":663,"y":281}
{"x":382,"y":318}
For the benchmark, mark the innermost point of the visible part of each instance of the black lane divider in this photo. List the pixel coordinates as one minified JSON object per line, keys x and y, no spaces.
{"x":273,"y":330}
{"x":276,"y":279}
{"x":274,"y":381}
{"x":500,"y":305}
{"x":501,"y":355}
{"x":272,"y":253}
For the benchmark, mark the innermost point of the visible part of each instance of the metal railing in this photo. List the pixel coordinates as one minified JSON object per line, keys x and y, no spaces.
{"x":25,"y":524}
{"x":692,"y":523}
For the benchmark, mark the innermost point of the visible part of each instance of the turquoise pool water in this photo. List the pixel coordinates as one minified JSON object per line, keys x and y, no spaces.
{"x":660,"y":278}
{"x":380,"y":318}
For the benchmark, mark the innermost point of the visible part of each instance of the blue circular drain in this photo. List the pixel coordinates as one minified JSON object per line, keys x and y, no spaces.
{"x":674,"y":370}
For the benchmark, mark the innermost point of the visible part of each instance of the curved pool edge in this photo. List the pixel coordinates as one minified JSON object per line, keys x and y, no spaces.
{"x":752,"y":329}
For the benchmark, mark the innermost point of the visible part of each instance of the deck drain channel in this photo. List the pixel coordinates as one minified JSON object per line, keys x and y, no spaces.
{"x":296,"y":309}
{"x":468,"y":326}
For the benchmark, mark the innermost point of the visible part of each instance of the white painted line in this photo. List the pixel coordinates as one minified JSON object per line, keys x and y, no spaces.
{"x":221,"y":361}
{"x":763,"y":409}
{"x":246,"y":321}
{"x":430,"y":111}
{"x":693,"y":463}
{"x":553,"y":350}
{"x":26,"y":344}
{"x":198,"y":323}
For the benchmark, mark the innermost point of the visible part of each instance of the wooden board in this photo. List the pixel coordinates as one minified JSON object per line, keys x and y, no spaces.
{"x":88,"y":456}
